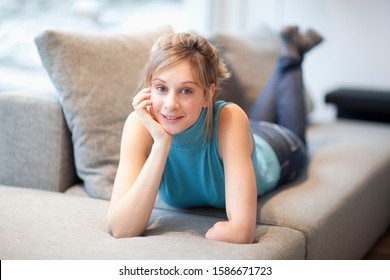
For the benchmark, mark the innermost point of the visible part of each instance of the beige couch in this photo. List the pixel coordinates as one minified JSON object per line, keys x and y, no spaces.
{"x":59,"y":151}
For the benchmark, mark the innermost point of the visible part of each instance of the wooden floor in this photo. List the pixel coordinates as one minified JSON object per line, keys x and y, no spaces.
{"x":381,"y":250}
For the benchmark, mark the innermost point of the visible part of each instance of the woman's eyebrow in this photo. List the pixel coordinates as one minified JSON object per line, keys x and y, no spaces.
{"x":185,"y":82}
{"x":158,"y":79}
{"x":190,"y":82}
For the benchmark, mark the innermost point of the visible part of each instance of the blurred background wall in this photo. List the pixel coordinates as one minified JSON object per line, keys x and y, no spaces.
{"x":354,"y":53}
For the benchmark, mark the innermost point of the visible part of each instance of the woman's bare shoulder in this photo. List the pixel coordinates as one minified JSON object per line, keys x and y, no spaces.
{"x":232,"y":114}
{"x":135,"y":135}
{"x":234,"y":130}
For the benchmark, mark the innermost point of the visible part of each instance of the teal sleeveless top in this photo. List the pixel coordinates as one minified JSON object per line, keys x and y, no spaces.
{"x":194,"y":174}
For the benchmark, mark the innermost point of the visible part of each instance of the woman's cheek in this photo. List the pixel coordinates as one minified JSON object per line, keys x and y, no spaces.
{"x":151,"y":110}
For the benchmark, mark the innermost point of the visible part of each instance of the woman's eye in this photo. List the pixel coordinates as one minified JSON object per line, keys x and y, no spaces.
{"x":186,"y":91}
{"x":162,"y":89}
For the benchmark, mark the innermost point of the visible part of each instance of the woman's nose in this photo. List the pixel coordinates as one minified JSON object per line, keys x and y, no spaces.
{"x":171,"y":101}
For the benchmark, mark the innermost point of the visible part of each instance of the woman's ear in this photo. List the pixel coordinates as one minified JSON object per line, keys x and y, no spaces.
{"x":210,"y":97}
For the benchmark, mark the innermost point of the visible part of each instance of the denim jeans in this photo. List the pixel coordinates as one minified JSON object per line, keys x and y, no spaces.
{"x":279,"y":117}
{"x":288,"y":147}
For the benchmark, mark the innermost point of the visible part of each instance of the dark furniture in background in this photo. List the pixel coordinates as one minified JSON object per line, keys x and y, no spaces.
{"x":362,"y":104}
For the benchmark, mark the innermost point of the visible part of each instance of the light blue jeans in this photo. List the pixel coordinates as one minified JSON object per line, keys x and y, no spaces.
{"x":279,"y":116}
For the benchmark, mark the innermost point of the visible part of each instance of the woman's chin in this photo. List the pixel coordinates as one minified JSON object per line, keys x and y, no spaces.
{"x":173,"y":130}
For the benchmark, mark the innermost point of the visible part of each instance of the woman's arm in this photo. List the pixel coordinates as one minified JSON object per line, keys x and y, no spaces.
{"x":141,"y":165}
{"x":236,"y":146}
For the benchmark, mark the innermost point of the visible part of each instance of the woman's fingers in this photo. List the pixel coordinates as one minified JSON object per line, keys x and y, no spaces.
{"x":142,"y":99}
{"x":142,"y":103}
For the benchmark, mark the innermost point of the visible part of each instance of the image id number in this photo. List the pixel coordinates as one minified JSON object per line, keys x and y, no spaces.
{"x":242,"y":270}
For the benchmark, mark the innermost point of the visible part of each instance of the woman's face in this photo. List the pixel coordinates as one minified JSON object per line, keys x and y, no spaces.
{"x":178,"y":98}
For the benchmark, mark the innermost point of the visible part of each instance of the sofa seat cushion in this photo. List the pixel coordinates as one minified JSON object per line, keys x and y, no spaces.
{"x":342,"y":204}
{"x":48,"y":225}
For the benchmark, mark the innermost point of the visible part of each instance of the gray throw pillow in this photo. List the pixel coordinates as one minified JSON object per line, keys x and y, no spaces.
{"x":230,"y":89}
{"x":253,"y":58}
{"x":96,"y":79}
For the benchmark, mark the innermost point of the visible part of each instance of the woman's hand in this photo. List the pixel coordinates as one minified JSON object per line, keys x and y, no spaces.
{"x":142,"y":104}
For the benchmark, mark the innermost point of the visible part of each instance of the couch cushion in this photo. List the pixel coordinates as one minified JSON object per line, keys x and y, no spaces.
{"x":230,"y":89}
{"x":47,"y":225}
{"x":252,"y":58}
{"x":96,"y":77}
{"x":342,"y":204}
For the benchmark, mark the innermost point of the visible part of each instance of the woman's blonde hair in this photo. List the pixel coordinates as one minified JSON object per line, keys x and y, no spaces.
{"x":172,"y":49}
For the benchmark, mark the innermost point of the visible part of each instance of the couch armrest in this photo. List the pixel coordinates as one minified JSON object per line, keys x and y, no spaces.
{"x":35,"y":143}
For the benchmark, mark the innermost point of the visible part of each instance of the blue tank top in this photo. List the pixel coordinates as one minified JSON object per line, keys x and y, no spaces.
{"x":194,"y":174}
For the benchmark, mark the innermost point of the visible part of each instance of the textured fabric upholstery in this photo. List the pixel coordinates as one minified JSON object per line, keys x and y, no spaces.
{"x":336,"y":211}
{"x":96,"y":78}
{"x":252,"y":58}
{"x":68,"y":227}
{"x":35,"y":145}
{"x":343,"y":203}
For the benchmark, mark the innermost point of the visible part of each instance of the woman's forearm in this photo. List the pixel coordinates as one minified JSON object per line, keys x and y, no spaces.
{"x":130,"y":215}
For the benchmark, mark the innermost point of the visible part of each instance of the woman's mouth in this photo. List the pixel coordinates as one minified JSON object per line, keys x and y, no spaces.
{"x":171,"y":118}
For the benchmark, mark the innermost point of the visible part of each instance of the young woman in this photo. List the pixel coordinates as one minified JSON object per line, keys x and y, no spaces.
{"x":181,"y":144}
